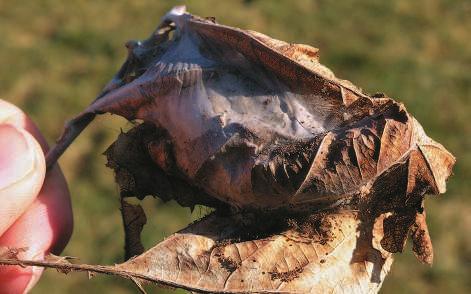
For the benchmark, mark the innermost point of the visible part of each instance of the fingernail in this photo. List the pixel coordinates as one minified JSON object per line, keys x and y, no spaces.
{"x":17,"y":157}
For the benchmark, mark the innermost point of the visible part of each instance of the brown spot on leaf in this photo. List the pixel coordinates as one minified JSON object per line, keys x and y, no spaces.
{"x":421,"y":241}
{"x":228,"y":263}
{"x":286,"y":276}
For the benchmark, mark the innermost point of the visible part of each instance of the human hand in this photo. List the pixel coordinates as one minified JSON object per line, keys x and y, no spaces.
{"x":35,"y":208}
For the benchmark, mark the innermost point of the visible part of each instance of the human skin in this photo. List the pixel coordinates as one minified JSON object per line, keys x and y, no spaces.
{"x":35,"y":208}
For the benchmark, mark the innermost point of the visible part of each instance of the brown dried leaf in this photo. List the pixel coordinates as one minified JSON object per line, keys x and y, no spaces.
{"x":238,"y":121}
{"x":248,"y":121}
{"x":134,"y":220}
{"x":205,"y":257}
{"x":421,"y":241}
{"x":322,"y":252}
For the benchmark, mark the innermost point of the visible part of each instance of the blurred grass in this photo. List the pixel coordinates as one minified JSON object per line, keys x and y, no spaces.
{"x":55,"y":58}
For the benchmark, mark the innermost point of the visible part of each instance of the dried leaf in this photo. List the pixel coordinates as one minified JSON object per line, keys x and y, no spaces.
{"x":421,"y":241}
{"x":134,"y":220}
{"x":238,"y":121}
{"x":244,"y":118}
{"x":220,"y":254}
{"x":206,"y":258}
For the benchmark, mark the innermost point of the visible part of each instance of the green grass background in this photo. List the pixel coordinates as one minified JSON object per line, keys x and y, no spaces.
{"x":56,"y":55}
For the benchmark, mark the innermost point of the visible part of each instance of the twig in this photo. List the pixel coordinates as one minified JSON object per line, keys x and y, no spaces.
{"x":66,"y":267}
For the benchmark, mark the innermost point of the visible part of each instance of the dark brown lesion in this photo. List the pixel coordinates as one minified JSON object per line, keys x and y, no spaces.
{"x":144,"y":164}
{"x":287,"y":276}
{"x":401,"y":225}
{"x":396,"y":230}
{"x":283,"y":166}
{"x":421,"y":241}
{"x":134,"y":220}
{"x":399,"y":194}
{"x":228,"y":263}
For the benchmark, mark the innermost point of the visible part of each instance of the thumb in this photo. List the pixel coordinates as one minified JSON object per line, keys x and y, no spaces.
{"x":22,"y":171}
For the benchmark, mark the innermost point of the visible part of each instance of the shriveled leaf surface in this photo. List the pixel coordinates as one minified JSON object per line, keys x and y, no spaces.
{"x":134,"y":220}
{"x":315,"y":183}
{"x":223,"y":254}
{"x":255,"y":122}
{"x":329,"y":257}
